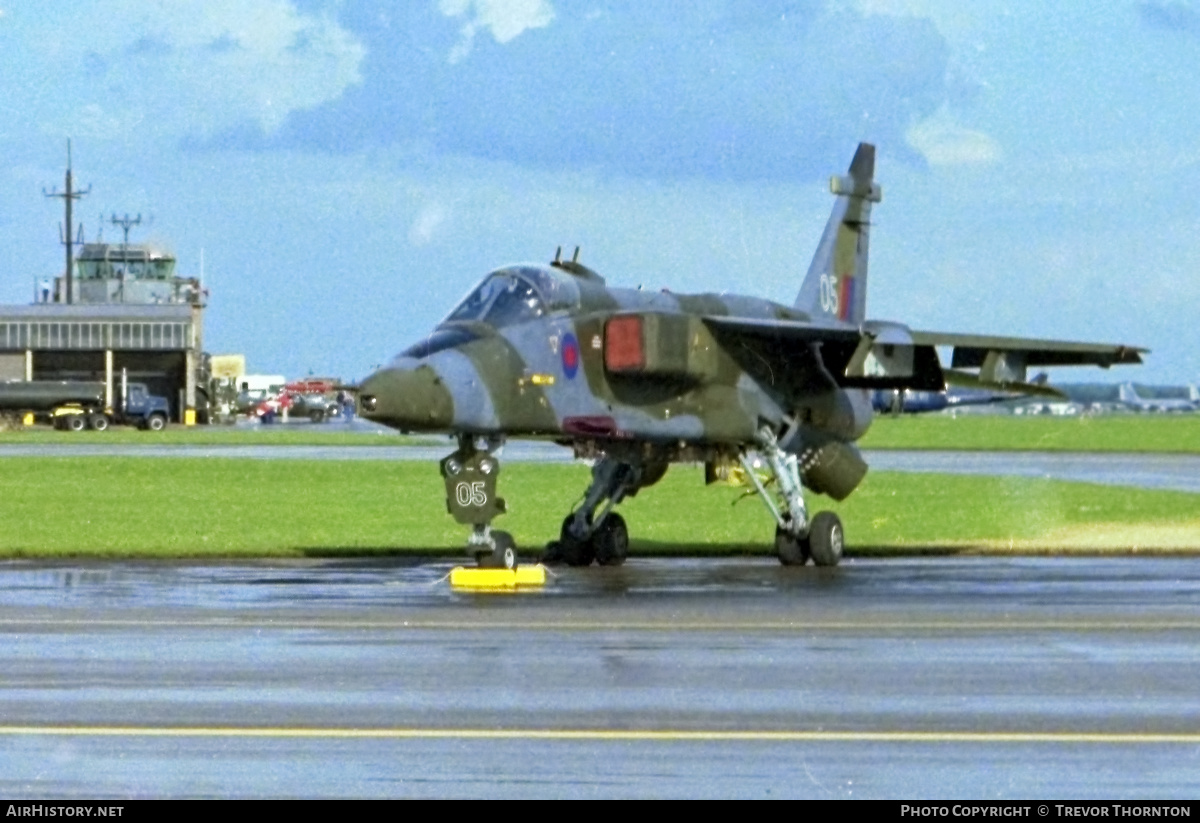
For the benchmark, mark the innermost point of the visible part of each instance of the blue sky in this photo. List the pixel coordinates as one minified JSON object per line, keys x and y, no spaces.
{"x":349,"y":168}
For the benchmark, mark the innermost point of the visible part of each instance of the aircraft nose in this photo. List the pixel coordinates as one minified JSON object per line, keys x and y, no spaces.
{"x":407,"y":398}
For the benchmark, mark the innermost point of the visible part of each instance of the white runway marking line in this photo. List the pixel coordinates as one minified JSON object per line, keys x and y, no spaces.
{"x":645,"y":735}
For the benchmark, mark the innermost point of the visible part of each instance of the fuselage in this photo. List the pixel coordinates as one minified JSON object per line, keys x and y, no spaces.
{"x":533,"y":352}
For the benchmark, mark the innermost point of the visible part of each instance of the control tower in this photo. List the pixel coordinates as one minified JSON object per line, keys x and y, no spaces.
{"x":121,"y":273}
{"x":118,"y":308}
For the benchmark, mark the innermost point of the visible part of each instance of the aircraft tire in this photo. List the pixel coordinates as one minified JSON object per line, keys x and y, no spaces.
{"x":826,"y":539}
{"x":578,"y":553}
{"x":791,"y":550}
{"x":503,"y":556}
{"x":611,"y":541}
{"x":505,"y":553}
{"x":553,"y":553}
{"x":575,"y":552}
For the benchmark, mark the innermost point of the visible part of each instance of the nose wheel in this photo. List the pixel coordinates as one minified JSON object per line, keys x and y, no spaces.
{"x":503,"y":554}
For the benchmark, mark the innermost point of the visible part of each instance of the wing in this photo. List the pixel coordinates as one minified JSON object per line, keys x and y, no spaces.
{"x":890,"y":355}
{"x":1004,"y":360}
{"x":873,"y":356}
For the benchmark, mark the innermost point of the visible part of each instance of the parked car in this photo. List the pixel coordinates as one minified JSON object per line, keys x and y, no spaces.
{"x":316,"y":407}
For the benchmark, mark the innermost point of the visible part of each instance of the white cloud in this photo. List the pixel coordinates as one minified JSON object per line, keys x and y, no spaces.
{"x":506,"y":19}
{"x":421,"y":232}
{"x":183,"y":67}
{"x":955,"y":20}
{"x":943,"y":142}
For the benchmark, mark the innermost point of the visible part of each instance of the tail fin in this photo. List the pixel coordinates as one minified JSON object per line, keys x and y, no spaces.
{"x":1127,"y":394}
{"x":835,"y":288}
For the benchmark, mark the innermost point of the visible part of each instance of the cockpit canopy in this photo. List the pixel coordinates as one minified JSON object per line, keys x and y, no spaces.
{"x":515,"y":295}
{"x":506,"y":297}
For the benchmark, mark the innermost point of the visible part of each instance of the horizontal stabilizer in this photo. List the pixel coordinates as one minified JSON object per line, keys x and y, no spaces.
{"x":969,"y":380}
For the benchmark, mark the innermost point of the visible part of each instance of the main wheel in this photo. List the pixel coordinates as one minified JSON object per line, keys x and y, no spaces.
{"x":826,"y":539}
{"x":575,"y":552}
{"x":611,"y":541}
{"x":791,"y":550}
{"x":76,"y":422}
{"x":98,"y":422}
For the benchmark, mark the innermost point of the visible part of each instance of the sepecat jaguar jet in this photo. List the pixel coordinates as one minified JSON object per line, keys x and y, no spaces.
{"x":637,"y":380}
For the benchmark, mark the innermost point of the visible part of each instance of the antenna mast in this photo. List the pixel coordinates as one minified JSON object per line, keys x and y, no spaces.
{"x":126,"y":223}
{"x":67,"y":240}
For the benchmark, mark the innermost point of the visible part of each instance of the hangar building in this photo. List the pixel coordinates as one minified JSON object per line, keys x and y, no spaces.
{"x":125,"y":311}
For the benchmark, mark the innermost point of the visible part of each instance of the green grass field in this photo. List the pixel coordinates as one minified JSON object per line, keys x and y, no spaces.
{"x":213,"y":507}
{"x":1179,"y":433}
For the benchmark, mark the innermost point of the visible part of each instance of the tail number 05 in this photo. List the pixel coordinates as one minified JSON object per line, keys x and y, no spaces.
{"x":470,"y":494}
{"x":829,"y":294}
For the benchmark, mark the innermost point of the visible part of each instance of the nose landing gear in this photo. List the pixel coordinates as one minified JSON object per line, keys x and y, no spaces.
{"x":470,"y":476}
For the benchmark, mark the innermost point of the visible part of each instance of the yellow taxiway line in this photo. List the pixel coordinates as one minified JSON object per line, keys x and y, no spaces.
{"x":646,"y":735}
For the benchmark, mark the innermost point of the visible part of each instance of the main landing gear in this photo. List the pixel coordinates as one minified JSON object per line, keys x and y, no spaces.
{"x":470,"y":474}
{"x":594,"y":531}
{"x":796,"y":537}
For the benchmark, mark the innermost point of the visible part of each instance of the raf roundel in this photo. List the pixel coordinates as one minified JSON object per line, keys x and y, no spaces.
{"x":570,"y":355}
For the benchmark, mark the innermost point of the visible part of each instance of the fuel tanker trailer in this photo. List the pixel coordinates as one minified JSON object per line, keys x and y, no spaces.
{"x":75,"y":405}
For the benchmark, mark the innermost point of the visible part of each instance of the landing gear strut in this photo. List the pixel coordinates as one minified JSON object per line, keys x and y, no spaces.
{"x":796,"y":537}
{"x":470,"y":476}
{"x":594,"y":531}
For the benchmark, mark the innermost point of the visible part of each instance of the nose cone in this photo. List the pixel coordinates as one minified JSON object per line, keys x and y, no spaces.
{"x":410,"y":399}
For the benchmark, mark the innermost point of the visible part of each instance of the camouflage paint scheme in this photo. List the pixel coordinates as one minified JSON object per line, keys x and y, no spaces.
{"x":639,"y":379}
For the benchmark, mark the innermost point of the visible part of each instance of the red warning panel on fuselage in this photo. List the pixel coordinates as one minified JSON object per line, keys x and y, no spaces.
{"x":624,"y":345}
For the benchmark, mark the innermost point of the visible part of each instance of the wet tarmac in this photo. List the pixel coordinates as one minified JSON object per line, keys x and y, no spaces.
{"x":912,"y":678}
{"x":1151,"y":471}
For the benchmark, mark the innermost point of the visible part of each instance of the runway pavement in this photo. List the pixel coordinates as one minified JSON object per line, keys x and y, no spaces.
{"x":913,"y":678}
